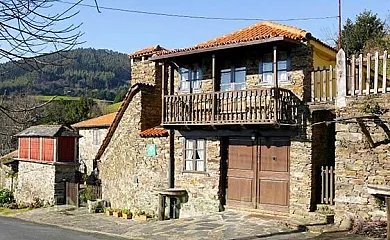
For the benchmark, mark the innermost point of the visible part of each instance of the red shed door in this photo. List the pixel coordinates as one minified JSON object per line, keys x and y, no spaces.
{"x":274,"y":174}
{"x":66,"y":149}
{"x":241,"y":173}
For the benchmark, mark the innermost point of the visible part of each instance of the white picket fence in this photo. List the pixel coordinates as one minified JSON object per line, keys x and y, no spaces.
{"x":358,"y":75}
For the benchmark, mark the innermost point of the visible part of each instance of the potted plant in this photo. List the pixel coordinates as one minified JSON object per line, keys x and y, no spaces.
{"x":328,"y":213}
{"x":140,"y":215}
{"x":109,"y":211}
{"x":117,"y":213}
{"x":126,"y":214}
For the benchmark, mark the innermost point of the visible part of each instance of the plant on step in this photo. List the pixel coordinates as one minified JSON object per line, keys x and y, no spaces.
{"x":325,"y":210}
{"x":109,"y":211}
{"x":86,"y":194}
{"x":117,"y":213}
{"x":126,"y":214}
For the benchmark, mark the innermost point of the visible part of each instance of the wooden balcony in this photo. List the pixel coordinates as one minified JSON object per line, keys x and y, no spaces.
{"x":257,"y":106}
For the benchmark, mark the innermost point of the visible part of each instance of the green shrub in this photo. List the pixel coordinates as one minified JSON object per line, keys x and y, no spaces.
{"x":86,"y":194}
{"x":6,"y":196}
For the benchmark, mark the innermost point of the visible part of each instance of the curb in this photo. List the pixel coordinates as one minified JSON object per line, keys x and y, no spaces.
{"x":74,"y":228}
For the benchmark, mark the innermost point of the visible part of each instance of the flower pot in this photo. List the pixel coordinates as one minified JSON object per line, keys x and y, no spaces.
{"x":117,"y":214}
{"x":126,"y":215}
{"x":109,"y":212}
{"x":140,"y":217}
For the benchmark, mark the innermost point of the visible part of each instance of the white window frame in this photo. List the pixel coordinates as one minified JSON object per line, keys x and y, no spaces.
{"x":96,"y":137}
{"x":281,"y":69}
{"x":190,"y":79}
{"x":232,"y":86}
{"x":195,"y":156}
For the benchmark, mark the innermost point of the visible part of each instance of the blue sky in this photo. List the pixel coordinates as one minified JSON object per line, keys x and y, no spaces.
{"x":128,"y":32}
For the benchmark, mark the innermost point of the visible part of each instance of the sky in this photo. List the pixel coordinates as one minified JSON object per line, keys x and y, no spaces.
{"x":127,"y":32}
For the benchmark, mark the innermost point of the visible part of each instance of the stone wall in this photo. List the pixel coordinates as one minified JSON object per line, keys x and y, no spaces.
{"x":129,"y":177}
{"x":87,"y":148}
{"x":202,"y":188}
{"x":35,"y":180}
{"x":358,"y":164}
{"x":6,"y":181}
{"x":43,"y":181}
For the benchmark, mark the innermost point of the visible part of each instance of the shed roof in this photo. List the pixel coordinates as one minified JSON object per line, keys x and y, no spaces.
{"x":47,"y":131}
{"x":154,"y":132}
{"x":8,"y":158}
{"x":102,"y":121}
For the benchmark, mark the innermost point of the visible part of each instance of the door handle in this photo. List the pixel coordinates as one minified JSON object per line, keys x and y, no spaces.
{"x":274,"y":158}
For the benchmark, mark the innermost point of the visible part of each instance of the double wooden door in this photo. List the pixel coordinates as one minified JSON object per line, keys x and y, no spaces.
{"x":259,"y":173}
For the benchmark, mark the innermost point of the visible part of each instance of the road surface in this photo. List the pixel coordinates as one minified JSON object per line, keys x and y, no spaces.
{"x":15,"y":229}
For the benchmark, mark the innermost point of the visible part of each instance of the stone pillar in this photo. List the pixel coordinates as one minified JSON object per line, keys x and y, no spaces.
{"x":341,"y":79}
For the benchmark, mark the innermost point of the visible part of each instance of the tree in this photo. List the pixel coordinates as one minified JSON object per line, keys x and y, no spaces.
{"x":368,"y":28}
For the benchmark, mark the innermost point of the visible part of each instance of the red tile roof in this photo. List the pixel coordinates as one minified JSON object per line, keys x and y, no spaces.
{"x":154,"y":132}
{"x":258,"y":31}
{"x":147,"y":51}
{"x":102,"y":121}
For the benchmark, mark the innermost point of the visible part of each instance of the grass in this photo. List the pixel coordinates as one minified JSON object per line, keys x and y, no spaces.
{"x":67,"y":98}
{"x":8,"y":211}
{"x":113,"y":107}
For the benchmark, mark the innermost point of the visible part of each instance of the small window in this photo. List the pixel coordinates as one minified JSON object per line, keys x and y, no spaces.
{"x":190,"y":79}
{"x":194,"y":155}
{"x":96,"y":137}
{"x":266,"y":67}
{"x":233,"y":79}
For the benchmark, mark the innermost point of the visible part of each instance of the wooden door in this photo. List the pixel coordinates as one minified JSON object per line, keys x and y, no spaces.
{"x":241,"y":190}
{"x":274,"y":174}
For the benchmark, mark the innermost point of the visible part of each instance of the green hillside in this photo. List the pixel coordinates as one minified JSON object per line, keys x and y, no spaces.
{"x":88,"y":72}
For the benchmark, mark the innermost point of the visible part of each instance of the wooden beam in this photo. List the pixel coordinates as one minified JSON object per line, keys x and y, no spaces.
{"x":214,"y":88}
{"x":275,"y":78}
{"x":227,"y":46}
{"x":162,"y":92}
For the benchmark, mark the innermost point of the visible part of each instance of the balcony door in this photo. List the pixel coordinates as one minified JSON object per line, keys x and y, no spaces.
{"x":233,"y":79}
{"x":190,"y":79}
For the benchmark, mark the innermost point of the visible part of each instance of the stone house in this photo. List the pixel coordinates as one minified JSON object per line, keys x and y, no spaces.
{"x":47,"y":157}
{"x":8,"y":170}
{"x":92,"y":133}
{"x":235,"y":118}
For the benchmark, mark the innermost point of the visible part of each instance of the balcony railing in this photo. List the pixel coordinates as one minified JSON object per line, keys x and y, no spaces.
{"x":255,"y":106}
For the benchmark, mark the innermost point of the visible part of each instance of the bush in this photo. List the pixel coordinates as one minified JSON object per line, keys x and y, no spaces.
{"x":6,"y":196}
{"x":86,"y":194}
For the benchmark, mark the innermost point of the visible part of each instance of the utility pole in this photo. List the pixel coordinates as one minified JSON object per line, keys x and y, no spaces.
{"x":339,"y":42}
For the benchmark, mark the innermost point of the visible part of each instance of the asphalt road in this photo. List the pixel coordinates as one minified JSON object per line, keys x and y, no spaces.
{"x":15,"y":229}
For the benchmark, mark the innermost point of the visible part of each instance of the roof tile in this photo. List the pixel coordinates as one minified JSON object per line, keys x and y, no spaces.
{"x":147,"y":51}
{"x":102,"y":121}
{"x":154,"y":132}
{"x":258,"y":31}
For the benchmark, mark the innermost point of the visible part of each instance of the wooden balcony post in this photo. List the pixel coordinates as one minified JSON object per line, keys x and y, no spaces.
{"x":275,"y":78}
{"x":214,"y":87}
{"x":162,"y":92}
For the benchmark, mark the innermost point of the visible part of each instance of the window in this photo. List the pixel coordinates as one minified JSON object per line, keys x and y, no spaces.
{"x":194,"y":155}
{"x":190,"y":79}
{"x":233,"y":79}
{"x":96,"y":138}
{"x":266,"y":67}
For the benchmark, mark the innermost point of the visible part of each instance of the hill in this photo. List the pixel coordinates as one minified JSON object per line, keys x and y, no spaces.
{"x":81,"y":72}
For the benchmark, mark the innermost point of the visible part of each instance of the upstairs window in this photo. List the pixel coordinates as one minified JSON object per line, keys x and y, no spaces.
{"x":266,"y":67}
{"x":194,"y":155}
{"x":190,"y":79}
{"x":96,"y":137}
{"x":233,"y":79}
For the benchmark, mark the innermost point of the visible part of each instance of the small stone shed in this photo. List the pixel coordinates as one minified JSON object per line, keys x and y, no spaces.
{"x":47,"y":157}
{"x":8,"y":169}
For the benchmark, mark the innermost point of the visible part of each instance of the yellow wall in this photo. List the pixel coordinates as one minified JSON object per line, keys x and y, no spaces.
{"x":322,"y":55}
